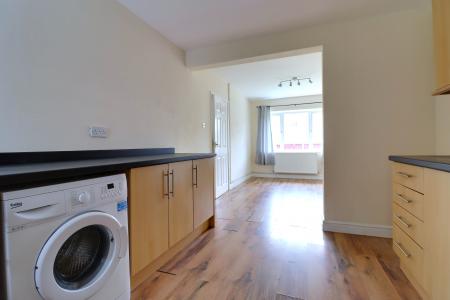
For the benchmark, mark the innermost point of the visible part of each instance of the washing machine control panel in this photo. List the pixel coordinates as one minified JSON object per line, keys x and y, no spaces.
{"x":111,"y":191}
{"x":82,"y":197}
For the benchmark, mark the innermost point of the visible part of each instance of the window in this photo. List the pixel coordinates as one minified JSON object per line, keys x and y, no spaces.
{"x":297,"y":130}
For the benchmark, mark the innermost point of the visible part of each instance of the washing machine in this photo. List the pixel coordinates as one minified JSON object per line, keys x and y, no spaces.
{"x":67,"y":241}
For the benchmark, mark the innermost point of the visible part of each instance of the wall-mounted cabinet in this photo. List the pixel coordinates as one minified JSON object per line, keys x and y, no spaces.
{"x":441,"y":22}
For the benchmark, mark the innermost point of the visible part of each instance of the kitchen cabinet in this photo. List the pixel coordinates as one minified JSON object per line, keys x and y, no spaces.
{"x":148,"y":214}
{"x":181,"y":205}
{"x":421,"y":228}
{"x":203,"y":190}
{"x":408,"y":223}
{"x":441,"y":24}
{"x":166,"y":201}
{"x":437,"y":234}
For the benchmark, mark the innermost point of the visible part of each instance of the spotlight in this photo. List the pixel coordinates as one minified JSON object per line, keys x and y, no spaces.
{"x":293,"y":80}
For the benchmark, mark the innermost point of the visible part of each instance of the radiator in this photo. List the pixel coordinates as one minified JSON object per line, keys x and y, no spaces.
{"x":296,"y":163}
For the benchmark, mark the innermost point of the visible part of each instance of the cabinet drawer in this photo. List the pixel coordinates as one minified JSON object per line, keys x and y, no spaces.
{"x":409,"y":224}
{"x":411,"y":255}
{"x":408,"y":199}
{"x":409,"y":176}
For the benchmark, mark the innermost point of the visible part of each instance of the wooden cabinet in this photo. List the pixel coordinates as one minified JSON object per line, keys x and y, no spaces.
{"x":148,"y":213}
{"x":162,"y":212}
{"x":421,"y":228}
{"x":441,"y":22}
{"x":203,"y":190}
{"x":410,"y":254}
{"x":408,"y":199}
{"x":408,"y":176}
{"x":181,"y":205}
{"x":409,"y":223}
{"x":408,"y":230}
{"x":437,"y":234}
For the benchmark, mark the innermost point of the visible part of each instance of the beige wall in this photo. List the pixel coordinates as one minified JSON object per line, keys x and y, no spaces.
{"x":260,"y":170}
{"x":240,"y":135}
{"x":378,"y":76}
{"x":66,"y":65}
{"x":443,"y":125}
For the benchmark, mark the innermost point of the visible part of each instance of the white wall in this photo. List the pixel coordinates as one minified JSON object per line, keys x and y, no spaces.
{"x":66,"y":65}
{"x":443,"y":125}
{"x":378,"y":77}
{"x":240,"y":135}
{"x":260,"y":170}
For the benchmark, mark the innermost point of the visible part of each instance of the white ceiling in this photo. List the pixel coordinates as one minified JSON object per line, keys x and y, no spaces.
{"x":195,"y":23}
{"x":259,"y":80}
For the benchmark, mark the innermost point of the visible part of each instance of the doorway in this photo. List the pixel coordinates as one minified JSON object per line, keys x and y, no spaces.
{"x":289,"y":87}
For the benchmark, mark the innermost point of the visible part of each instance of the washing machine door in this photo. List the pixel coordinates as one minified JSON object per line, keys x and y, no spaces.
{"x":80,"y":256}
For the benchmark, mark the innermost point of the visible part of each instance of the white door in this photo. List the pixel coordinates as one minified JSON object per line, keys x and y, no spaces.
{"x":220,"y":144}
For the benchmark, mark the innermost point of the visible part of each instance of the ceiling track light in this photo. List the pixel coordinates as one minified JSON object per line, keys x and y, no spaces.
{"x":294,"y":79}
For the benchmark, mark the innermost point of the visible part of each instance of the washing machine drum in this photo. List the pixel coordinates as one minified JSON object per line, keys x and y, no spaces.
{"x":80,"y":256}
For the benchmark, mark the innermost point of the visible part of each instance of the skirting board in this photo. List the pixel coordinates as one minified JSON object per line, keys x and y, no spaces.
{"x":288,"y":176}
{"x":239,"y":181}
{"x":359,"y":229}
{"x":243,"y":179}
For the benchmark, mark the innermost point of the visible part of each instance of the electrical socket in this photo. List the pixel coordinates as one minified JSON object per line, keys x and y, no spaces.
{"x":98,"y":132}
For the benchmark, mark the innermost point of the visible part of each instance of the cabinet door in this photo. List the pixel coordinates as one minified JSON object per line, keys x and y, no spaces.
{"x":437,"y":234}
{"x":149,"y":215}
{"x":441,"y":20}
{"x":181,"y":204}
{"x":203,"y":190}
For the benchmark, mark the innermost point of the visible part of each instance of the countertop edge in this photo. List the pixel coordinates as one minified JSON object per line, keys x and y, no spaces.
{"x":440,"y":166}
{"x":10,"y":182}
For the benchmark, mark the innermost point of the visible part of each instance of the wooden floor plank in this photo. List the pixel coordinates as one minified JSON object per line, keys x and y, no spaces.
{"x":268,"y":244}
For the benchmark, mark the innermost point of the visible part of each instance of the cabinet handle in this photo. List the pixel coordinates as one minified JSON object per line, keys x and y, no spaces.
{"x":403,"y":221}
{"x":406,"y":175}
{"x":195,"y":169}
{"x":173,"y":184}
{"x":400,"y":247}
{"x":404,"y":198}
{"x":166,"y":183}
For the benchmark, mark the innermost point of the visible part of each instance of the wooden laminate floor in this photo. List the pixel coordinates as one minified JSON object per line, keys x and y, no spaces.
{"x":268,"y":244}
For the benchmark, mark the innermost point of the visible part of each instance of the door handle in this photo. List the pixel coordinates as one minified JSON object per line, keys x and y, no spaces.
{"x":165,"y":183}
{"x":402,"y":250}
{"x":172,"y":173}
{"x":195,"y":169}
{"x":400,"y":219}
{"x":404,"y":199}
{"x":405,"y":175}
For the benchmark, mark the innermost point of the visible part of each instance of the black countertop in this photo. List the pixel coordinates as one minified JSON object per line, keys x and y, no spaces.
{"x":30,"y":173}
{"x":436,"y":162}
